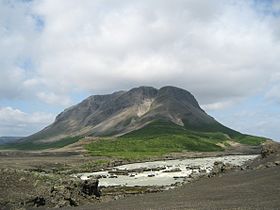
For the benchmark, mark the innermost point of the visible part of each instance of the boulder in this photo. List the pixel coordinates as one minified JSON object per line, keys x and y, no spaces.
{"x":269,"y":164}
{"x":90,"y":187}
{"x":70,"y":192}
{"x":39,"y":201}
{"x":269,"y":148}
{"x":219,"y":167}
{"x":172,"y":170}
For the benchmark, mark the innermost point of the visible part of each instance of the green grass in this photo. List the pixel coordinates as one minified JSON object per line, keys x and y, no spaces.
{"x":160,"y":138}
{"x":156,"y":139}
{"x":95,"y":164}
{"x":249,"y":140}
{"x":141,"y":148}
{"x":30,"y":145}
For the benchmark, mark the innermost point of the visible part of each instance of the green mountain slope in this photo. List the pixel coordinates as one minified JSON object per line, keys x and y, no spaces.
{"x":162,"y":137}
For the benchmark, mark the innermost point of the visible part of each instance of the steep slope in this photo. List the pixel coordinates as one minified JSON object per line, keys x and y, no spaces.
{"x":125,"y":111}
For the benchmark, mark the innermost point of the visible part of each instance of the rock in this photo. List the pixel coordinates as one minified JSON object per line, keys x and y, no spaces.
{"x":269,"y":165}
{"x":269,"y":148}
{"x":194,"y":175}
{"x":117,"y":197}
{"x":179,"y":177}
{"x":261,"y":166}
{"x":95,"y":176}
{"x":39,"y":201}
{"x":202,"y":171}
{"x":69,"y":192}
{"x":172,"y":170}
{"x":227,"y":167}
{"x":277,"y":162}
{"x":119,"y":172}
{"x":219,"y":167}
{"x":90,"y":187}
{"x":196,"y":167}
{"x":22,"y":179}
{"x":61,"y":203}
{"x":151,"y":175}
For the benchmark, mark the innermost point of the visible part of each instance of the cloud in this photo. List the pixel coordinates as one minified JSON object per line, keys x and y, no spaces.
{"x":16,"y":35}
{"x":217,"y":105}
{"x":52,"y":98}
{"x":99,"y":46}
{"x":16,"y":122}
{"x":273,"y":93}
{"x":214,"y":49}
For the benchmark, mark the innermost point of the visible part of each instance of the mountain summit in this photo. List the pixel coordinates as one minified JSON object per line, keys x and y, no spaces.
{"x":125,"y":111}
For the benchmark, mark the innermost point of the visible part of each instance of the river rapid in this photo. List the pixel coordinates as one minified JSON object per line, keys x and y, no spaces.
{"x":162,"y":173}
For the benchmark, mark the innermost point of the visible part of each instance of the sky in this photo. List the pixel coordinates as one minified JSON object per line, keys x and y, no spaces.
{"x":54,"y":54}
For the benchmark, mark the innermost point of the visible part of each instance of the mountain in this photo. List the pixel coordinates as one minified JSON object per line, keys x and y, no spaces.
{"x":125,"y":111}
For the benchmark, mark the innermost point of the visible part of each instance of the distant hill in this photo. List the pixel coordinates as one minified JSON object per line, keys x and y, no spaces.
{"x":140,"y":113}
{"x":9,"y":139}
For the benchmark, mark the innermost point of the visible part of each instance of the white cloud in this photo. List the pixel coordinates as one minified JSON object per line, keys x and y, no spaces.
{"x":52,"y":98}
{"x":16,"y":122}
{"x":217,"y":105}
{"x":99,"y":46}
{"x":219,"y":50}
{"x":17,"y":32}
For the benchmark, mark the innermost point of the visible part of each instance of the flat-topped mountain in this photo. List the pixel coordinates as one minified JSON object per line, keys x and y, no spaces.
{"x":124,"y":111}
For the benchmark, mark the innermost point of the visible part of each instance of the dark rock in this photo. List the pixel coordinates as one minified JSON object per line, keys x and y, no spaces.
{"x":219,"y":167}
{"x":173,"y":170}
{"x":179,"y":177}
{"x":90,"y":187}
{"x":69,"y":192}
{"x":119,"y":172}
{"x":96,"y":176}
{"x":39,"y":201}
{"x":202,"y":171}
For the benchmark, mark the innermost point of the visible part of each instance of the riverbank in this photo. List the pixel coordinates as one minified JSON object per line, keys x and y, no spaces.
{"x":43,"y":179}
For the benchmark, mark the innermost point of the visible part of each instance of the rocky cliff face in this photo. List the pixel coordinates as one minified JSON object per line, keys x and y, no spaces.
{"x":124,"y":111}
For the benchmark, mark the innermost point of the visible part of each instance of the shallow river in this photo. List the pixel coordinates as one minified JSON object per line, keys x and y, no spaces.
{"x":162,"y":173}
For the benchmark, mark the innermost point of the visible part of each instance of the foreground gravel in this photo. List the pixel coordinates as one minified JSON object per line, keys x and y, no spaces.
{"x":252,"y":189}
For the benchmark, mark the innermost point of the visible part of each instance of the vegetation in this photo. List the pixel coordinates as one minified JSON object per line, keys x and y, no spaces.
{"x":95,"y":164}
{"x":156,"y":139}
{"x":30,"y":145}
{"x":161,"y":138}
{"x":249,"y":140}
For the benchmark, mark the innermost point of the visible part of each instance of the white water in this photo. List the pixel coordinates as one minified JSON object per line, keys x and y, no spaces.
{"x":161,"y":178}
